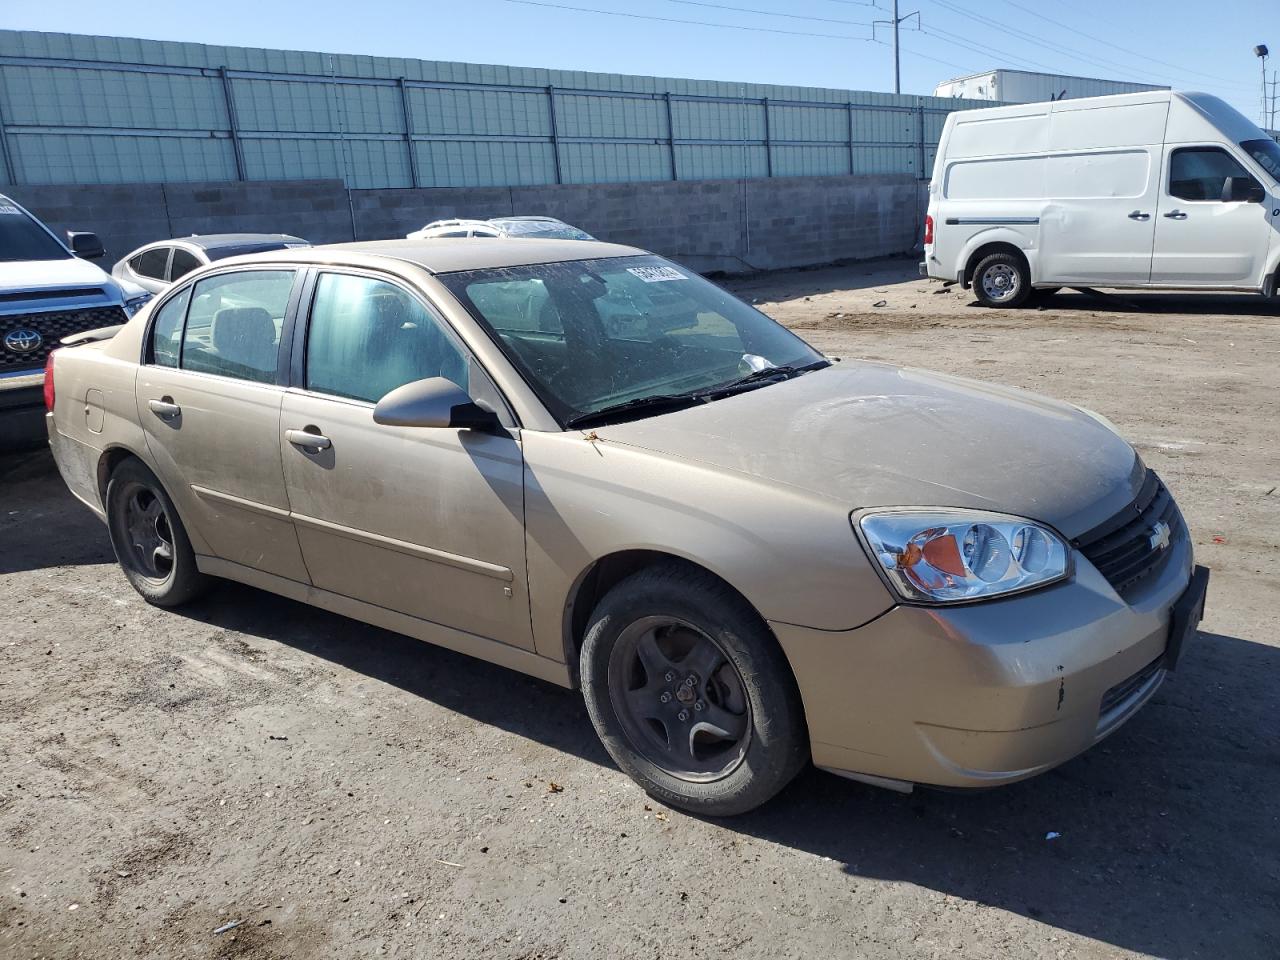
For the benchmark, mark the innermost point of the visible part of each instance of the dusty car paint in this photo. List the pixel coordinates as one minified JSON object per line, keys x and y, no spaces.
{"x":762,"y":489}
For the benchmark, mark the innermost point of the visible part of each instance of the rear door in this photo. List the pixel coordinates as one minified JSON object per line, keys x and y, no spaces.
{"x":150,"y":268}
{"x":1202,"y":239}
{"x":209,"y":395}
{"x":428,"y":522}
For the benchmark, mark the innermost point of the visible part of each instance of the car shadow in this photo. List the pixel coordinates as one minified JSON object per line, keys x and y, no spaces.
{"x":783,"y":286}
{"x":1160,"y":840}
{"x":1186,"y":303}
{"x":41,"y":523}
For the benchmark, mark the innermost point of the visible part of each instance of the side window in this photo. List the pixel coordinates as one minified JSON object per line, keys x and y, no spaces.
{"x":184,"y":261}
{"x":367,"y":337}
{"x":233,"y":325}
{"x":151,"y":263}
{"x":166,"y":331}
{"x":1199,"y":173}
{"x":448,"y":233}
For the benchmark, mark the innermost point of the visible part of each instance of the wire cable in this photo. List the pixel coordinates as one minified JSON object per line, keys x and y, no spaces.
{"x":772,"y":13}
{"x":695,"y":23}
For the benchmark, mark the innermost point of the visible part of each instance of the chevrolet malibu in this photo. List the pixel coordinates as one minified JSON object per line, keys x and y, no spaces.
{"x":587,"y":463}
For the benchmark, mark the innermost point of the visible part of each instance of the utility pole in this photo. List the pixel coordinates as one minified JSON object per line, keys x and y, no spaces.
{"x":895,"y":22}
{"x":1261,"y":52}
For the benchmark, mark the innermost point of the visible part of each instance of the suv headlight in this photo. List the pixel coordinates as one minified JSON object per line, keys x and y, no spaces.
{"x":949,"y":556}
{"x":135,"y":303}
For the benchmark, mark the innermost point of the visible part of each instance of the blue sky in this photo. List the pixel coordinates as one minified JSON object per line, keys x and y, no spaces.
{"x":1191,"y":44}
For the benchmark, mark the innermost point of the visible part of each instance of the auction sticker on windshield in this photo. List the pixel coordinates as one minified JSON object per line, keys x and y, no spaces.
{"x":656,"y":274}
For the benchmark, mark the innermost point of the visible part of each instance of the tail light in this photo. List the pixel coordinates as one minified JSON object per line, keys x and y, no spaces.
{"x":49,"y":393}
{"x":928,"y":230}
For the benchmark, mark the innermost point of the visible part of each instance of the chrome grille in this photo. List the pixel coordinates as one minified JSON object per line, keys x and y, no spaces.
{"x":1124,"y":549}
{"x":52,"y":325}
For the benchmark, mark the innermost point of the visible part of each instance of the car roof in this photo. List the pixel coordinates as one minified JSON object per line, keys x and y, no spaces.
{"x":451,"y":254}
{"x":214,"y":241}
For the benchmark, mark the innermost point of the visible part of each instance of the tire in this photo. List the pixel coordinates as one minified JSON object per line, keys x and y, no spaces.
{"x":1001,"y":280}
{"x":149,"y":539}
{"x":740,"y":717}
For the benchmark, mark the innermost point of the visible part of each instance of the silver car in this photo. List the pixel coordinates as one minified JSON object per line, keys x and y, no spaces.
{"x":587,"y":463}
{"x":156,"y":265}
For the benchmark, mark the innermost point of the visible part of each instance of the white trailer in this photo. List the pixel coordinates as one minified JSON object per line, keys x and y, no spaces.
{"x":1021,"y":86}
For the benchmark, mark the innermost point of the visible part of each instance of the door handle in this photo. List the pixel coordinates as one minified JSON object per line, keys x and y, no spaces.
{"x":1176,"y":215}
{"x":165,"y":408}
{"x":1139,"y":215}
{"x":307,"y":439}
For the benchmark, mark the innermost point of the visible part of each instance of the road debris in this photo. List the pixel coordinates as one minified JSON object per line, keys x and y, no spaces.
{"x":228,"y":926}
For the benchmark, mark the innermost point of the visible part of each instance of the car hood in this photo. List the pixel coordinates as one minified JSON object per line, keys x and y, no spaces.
{"x":20,"y":276}
{"x":873,"y":435}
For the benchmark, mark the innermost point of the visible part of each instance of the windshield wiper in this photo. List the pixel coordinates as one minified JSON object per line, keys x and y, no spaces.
{"x":667,"y":401}
{"x":785,"y":372}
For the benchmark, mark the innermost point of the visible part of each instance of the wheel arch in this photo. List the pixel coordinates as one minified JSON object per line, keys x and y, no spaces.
{"x":985,"y":250}
{"x":108,"y":461}
{"x":605,"y":573}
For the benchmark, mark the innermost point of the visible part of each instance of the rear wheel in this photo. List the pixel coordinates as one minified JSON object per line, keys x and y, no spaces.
{"x":690,"y":693}
{"x":1001,"y":280}
{"x":149,"y":539}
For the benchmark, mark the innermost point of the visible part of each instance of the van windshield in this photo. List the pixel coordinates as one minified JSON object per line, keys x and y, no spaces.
{"x":22,"y":238}
{"x":1267,"y":153}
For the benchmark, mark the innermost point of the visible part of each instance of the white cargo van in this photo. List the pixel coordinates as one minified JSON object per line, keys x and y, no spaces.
{"x":1157,"y":190}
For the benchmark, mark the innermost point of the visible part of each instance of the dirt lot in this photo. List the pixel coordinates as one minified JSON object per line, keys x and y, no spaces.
{"x":346,"y":792}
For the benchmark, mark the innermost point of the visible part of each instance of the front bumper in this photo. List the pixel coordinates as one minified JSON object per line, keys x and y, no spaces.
{"x":21,"y":409}
{"x":987,"y":693}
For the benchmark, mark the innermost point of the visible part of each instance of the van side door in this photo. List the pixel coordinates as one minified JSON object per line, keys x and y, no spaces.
{"x":1212,"y":227}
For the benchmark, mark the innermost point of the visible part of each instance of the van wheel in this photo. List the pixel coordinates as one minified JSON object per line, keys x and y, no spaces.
{"x":691,"y":694}
{"x":149,"y":539}
{"x":1001,"y":280}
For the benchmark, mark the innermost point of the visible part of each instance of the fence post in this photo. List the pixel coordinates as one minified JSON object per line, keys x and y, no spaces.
{"x":231,"y":119}
{"x":411,"y":148}
{"x":555,"y":132}
{"x":8,"y":167}
{"x":852,"y":165}
{"x":671,"y":136}
{"x":768,"y":146}
{"x":922,"y":175}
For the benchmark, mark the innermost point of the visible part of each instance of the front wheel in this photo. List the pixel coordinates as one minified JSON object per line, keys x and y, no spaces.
{"x":149,"y":539}
{"x":1001,"y":280}
{"x":691,"y":694}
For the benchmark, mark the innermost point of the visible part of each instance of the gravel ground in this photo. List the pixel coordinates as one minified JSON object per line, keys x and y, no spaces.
{"x":345,"y":792}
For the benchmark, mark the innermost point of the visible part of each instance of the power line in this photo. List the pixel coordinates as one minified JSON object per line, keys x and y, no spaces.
{"x":1060,"y":49}
{"x":1116,"y":46}
{"x":773,"y":13}
{"x":695,"y":23}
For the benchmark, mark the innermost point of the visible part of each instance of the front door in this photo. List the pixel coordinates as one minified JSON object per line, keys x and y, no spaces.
{"x":1201,"y":238}
{"x":209,"y":398}
{"x":424,"y":521}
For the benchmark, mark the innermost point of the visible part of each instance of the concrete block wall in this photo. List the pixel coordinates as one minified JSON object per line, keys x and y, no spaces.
{"x":733,"y":226}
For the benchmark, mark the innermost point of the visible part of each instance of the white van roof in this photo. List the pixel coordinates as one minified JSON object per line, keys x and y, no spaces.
{"x":1204,"y":115}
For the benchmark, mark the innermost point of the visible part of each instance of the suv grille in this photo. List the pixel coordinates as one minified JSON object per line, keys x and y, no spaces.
{"x":1127,"y":548}
{"x":52,"y":325}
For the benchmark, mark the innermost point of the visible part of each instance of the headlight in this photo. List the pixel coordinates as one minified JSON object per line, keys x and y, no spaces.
{"x":136,"y":303}
{"x":947,"y":556}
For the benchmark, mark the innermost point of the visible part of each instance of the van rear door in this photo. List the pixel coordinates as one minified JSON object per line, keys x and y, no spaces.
{"x":1102,"y":182}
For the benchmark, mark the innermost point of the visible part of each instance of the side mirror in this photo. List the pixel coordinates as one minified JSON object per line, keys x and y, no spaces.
{"x":86,"y":246}
{"x":434,"y":402}
{"x":1242,"y":190}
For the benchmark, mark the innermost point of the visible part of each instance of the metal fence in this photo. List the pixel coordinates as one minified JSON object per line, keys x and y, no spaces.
{"x":80,"y":109}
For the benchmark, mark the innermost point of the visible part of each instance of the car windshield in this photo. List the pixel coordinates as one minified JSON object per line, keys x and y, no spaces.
{"x":22,"y":238}
{"x":542,"y":229}
{"x":1267,"y":153}
{"x":593,"y":335}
